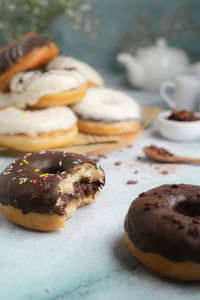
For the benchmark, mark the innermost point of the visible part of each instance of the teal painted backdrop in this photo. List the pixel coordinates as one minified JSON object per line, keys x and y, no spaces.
{"x":115,"y":16}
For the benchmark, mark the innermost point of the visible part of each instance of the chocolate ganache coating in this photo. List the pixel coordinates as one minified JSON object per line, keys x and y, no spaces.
{"x":13,"y":53}
{"x":30,"y":183}
{"x":166,"y":221}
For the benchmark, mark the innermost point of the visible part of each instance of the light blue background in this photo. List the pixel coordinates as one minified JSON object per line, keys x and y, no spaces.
{"x":115,"y":17}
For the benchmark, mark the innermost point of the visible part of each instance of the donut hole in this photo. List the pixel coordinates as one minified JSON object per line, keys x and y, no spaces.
{"x":53,"y":170}
{"x":188,"y":208}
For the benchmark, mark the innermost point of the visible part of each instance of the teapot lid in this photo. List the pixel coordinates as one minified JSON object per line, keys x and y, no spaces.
{"x":160,"y":51}
{"x":161,"y":43}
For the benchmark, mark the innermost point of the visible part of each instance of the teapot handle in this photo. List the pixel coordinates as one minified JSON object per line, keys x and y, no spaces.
{"x":164,"y":88}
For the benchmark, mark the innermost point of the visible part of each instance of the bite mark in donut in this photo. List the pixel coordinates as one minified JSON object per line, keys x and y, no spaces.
{"x":40,"y":191}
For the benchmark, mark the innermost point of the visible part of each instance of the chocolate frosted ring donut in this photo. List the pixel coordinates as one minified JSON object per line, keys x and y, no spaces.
{"x":163,"y":230}
{"x":41,"y":190}
{"x":28,"y":52}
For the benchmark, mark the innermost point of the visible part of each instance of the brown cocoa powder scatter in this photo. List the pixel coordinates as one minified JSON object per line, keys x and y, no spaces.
{"x":136,"y":171}
{"x":182,"y":116}
{"x":174,"y":186}
{"x":142,"y":195}
{"x":193,"y":231}
{"x":118,"y":163}
{"x":147,"y":208}
{"x":102,"y":156}
{"x":180,"y":226}
{"x":129,"y":146}
{"x":131,"y":182}
{"x":196,"y":220}
{"x":159,"y":151}
{"x":164,"y":172}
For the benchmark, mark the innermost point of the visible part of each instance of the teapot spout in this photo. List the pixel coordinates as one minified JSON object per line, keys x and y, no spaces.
{"x":134,"y":69}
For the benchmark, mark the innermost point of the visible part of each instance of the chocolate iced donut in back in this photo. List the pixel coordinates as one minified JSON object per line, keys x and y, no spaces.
{"x":12,"y":54}
{"x":163,"y":224}
{"x":50,"y":183}
{"x":28,"y":52}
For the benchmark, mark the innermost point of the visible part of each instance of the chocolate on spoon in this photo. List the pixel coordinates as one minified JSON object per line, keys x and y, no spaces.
{"x":162,"y":155}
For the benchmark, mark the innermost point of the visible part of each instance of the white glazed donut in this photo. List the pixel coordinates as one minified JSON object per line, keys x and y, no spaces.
{"x":31,"y":88}
{"x":107,"y":105}
{"x":68,"y":62}
{"x":107,"y":111}
{"x":5,"y":100}
{"x":32,"y":130}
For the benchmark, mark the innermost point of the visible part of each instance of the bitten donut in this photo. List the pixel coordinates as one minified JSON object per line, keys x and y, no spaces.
{"x":37,"y":129}
{"x":163,"y":230}
{"x":47,"y":88}
{"x":68,"y":62}
{"x":28,"y":52}
{"x":40,"y":191}
{"x":107,"y":112}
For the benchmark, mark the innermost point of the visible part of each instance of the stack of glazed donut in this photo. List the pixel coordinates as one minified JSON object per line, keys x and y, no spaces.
{"x":37,"y":85}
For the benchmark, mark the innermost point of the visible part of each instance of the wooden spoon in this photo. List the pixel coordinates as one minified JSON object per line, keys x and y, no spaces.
{"x":163,"y":155}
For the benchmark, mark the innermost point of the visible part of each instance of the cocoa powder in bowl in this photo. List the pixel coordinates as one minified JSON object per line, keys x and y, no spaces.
{"x":182,"y":116}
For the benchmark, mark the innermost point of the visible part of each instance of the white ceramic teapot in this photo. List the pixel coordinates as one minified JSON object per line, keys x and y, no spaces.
{"x":153,"y":65}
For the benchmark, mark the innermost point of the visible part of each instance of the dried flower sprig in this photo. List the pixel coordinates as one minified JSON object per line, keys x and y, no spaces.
{"x":20,"y":16}
{"x":142,"y":33}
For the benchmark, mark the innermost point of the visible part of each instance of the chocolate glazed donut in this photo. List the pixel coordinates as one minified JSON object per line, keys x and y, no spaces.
{"x":15,"y":52}
{"x":48,"y":184}
{"x":28,"y":52}
{"x":163,"y":230}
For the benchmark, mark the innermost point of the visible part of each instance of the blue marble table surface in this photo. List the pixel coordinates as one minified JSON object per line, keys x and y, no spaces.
{"x":88,"y":259}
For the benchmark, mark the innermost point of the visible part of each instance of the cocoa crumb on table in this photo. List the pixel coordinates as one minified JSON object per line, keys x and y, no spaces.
{"x":102,"y":156}
{"x":118,"y":163}
{"x":164,"y":172}
{"x":131,"y":182}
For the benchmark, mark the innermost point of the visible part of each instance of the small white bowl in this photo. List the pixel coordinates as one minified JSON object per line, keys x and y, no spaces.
{"x":178,"y":130}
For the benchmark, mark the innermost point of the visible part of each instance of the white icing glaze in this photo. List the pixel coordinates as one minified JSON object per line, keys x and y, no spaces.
{"x":5,"y":100}
{"x":63,"y":62}
{"x":14,"y":120}
{"x":28,"y":87}
{"x":103,"y":104}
